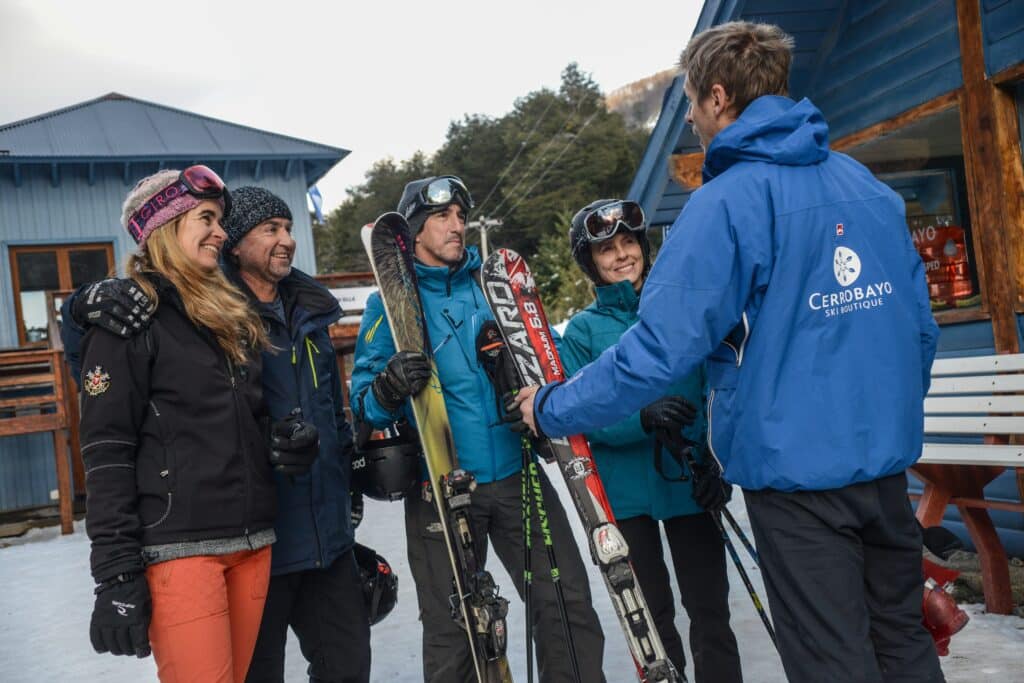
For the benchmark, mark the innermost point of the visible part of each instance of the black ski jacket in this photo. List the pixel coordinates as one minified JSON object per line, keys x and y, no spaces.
{"x":172,"y":441}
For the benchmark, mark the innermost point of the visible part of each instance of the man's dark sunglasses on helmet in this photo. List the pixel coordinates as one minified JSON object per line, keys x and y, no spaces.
{"x":441,"y":192}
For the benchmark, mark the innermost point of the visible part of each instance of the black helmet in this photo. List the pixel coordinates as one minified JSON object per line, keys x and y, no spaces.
{"x":430,"y":195}
{"x":617,"y":214}
{"x":379,"y":583}
{"x":388,"y":468}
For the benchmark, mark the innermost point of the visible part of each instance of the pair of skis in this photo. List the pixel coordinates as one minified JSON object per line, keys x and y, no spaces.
{"x":513,"y":298}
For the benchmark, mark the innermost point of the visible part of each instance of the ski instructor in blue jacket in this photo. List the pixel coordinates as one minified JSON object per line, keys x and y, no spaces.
{"x":792,"y":273}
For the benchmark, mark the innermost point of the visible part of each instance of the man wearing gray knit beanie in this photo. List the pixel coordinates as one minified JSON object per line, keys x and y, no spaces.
{"x":315,"y":586}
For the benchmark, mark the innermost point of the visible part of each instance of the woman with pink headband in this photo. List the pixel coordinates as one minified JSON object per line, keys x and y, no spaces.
{"x":180,"y":494}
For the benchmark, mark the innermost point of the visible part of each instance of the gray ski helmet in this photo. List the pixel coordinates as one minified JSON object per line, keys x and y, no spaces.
{"x":580,"y":241}
{"x":378,"y":581}
{"x":415,"y":204}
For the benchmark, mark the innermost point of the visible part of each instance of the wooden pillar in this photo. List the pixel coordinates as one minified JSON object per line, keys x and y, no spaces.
{"x":986,"y":143}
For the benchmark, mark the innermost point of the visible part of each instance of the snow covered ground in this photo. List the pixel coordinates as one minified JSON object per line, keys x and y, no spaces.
{"x":46,"y":598}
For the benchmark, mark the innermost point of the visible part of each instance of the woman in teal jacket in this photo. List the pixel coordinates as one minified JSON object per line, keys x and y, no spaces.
{"x":609,"y":242}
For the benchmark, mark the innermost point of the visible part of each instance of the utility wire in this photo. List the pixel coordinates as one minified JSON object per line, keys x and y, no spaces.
{"x":540,"y":157}
{"x":551,"y":165}
{"x":522,"y":146}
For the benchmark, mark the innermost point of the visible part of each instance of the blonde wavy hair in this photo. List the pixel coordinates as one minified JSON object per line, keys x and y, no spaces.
{"x":210,"y":300}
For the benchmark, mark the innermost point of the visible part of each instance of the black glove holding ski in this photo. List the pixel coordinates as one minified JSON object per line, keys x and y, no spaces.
{"x":120,"y":617}
{"x":294,"y":444}
{"x":497,"y":362}
{"x":405,"y":375}
{"x":709,"y":489}
{"x":670,"y":413}
{"x":117,"y":305}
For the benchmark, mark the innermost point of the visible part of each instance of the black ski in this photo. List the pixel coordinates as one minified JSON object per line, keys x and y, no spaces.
{"x":475,"y":602}
{"x":512,"y":295}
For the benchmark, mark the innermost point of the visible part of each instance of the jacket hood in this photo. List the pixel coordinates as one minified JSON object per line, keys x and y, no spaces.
{"x":773,"y":129}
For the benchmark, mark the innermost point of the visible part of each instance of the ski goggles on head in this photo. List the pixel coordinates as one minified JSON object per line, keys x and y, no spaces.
{"x":440,"y":192}
{"x":198,"y":181}
{"x":602,"y":223}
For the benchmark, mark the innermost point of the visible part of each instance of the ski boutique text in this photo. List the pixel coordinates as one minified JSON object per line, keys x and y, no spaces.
{"x":850,"y":299}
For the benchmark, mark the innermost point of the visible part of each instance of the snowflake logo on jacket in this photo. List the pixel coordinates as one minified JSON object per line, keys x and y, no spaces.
{"x":846,"y":264}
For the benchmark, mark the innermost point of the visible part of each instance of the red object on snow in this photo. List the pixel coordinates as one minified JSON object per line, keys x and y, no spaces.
{"x":941,"y":615}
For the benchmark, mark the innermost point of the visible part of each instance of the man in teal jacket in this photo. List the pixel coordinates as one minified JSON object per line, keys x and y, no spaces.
{"x":382,"y":380}
{"x":792,"y":273}
{"x":609,"y":242}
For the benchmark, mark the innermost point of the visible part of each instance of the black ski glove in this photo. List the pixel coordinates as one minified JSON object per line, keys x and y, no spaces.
{"x":357,"y":509}
{"x":116,"y":305}
{"x":294,"y":444}
{"x":494,"y":356}
{"x":671,"y":413}
{"x":405,"y":375}
{"x":120,"y":617}
{"x":709,"y":489}
{"x":513,"y":419}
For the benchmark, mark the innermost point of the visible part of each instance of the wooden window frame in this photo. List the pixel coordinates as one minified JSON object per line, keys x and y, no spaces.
{"x":62,"y":250}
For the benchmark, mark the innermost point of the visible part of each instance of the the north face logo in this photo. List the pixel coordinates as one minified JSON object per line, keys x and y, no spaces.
{"x":846,"y":265}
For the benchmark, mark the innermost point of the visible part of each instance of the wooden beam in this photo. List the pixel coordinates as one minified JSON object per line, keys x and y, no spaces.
{"x":17,"y":175}
{"x":257,"y":172}
{"x":1009,"y":75}
{"x":985,"y":147}
{"x":921,"y":111}
{"x":127,"y":172}
{"x":288,"y":168}
{"x":686,"y":169}
{"x":227,"y":168}
{"x":92,"y":173}
{"x":54,"y":175}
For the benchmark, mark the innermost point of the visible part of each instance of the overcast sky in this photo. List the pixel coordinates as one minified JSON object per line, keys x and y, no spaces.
{"x":380,"y":78}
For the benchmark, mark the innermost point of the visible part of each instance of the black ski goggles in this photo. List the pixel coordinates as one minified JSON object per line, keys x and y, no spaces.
{"x":602,"y":223}
{"x":441,"y":192}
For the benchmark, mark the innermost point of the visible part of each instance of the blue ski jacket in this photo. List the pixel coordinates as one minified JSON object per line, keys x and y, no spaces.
{"x":792,"y":272}
{"x":454,"y":307}
{"x":624,"y":451}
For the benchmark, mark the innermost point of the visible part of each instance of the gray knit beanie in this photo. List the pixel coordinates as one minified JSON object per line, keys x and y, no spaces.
{"x":250,"y":206}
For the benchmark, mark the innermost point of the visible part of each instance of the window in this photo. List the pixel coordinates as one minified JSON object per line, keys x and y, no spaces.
{"x":37,"y":270}
{"x":923,"y":161}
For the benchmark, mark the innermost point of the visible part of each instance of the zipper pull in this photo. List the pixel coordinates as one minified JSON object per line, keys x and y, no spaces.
{"x":294,"y":361}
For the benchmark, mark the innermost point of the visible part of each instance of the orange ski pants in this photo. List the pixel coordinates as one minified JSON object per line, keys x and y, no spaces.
{"x":206,"y":615}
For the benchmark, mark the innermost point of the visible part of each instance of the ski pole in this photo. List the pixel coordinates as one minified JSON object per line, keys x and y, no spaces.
{"x":680,"y":450}
{"x":742,"y":536}
{"x":556,"y":577}
{"x":527,"y":562}
{"x":746,"y":579}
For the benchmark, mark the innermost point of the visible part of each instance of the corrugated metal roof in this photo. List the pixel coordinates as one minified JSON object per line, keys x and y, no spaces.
{"x":119,"y":127}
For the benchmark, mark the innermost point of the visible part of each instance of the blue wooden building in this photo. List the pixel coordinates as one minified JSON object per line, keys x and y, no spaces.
{"x":929,"y":94}
{"x":63,"y":177}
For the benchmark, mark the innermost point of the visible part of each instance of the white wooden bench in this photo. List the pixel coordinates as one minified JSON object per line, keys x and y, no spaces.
{"x":974,"y":422}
